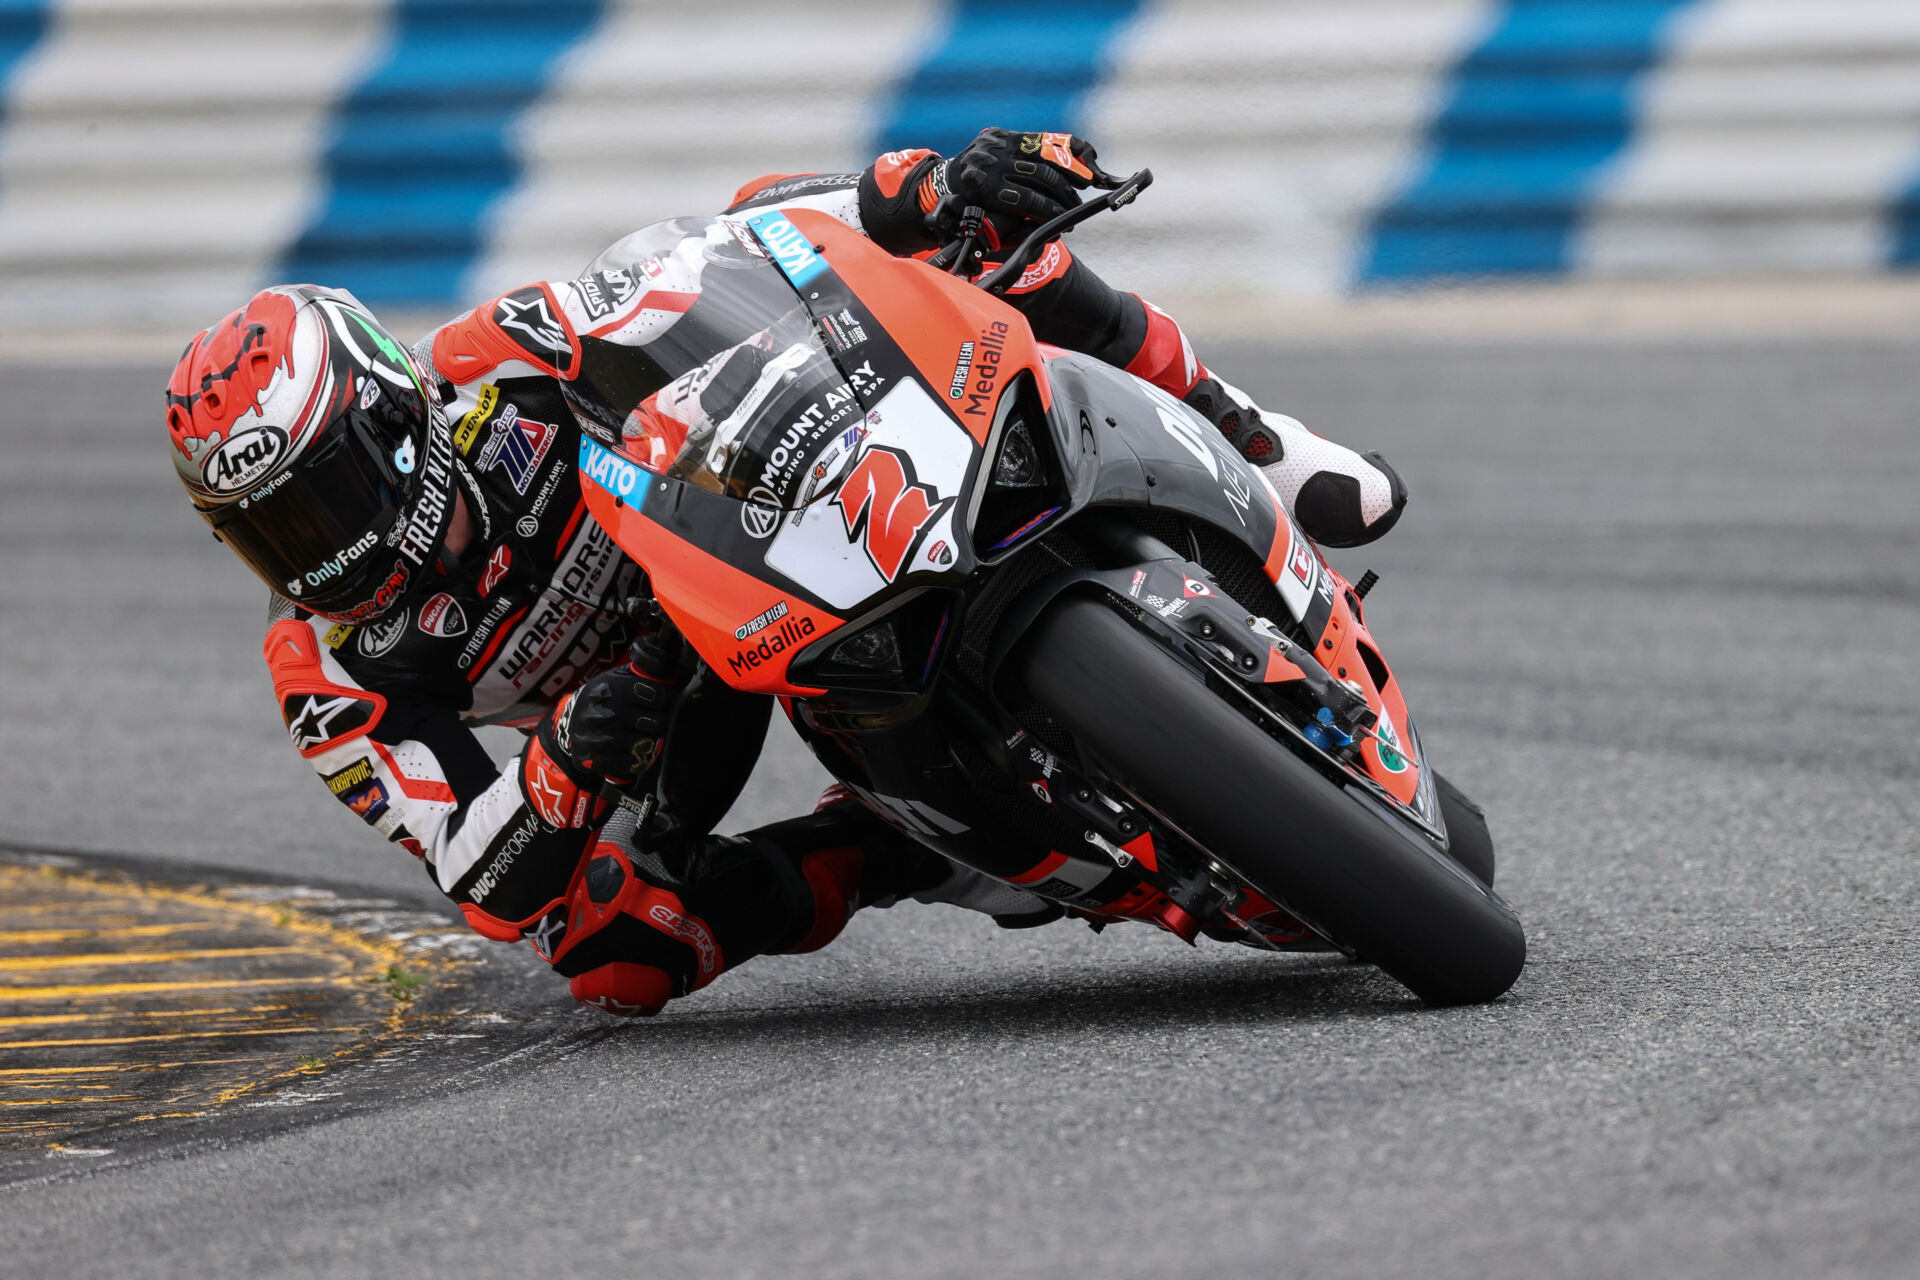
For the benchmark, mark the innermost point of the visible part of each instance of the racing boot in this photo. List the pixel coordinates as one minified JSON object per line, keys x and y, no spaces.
{"x":1339,"y":497}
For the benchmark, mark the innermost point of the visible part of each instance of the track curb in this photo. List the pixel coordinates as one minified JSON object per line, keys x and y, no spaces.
{"x":411,"y":1002}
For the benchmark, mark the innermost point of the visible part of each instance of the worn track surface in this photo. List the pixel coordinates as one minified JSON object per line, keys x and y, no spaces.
{"x":1657,"y":607}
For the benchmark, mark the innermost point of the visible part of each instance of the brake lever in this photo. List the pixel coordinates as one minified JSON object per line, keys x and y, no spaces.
{"x":952,"y":257}
{"x":1101,"y":178}
{"x":1001,"y":278}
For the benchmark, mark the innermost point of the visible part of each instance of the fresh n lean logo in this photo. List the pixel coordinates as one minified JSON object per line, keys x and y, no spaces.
{"x":789,"y":248}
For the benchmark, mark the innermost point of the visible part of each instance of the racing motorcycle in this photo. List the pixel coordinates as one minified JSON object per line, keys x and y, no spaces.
{"x":1034,"y":611}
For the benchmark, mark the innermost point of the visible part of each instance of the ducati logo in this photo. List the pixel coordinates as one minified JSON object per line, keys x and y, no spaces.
{"x":887,"y":508}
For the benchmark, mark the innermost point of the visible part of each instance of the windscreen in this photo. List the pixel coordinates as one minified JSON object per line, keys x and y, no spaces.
{"x":727,"y":384}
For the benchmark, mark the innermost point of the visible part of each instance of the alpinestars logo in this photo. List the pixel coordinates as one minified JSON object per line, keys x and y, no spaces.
{"x":526,"y":316}
{"x":690,"y":932}
{"x":546,"y":935}
{"x":886,"y":508}
{"x":497,"y":565}
{"x":316,"y":721}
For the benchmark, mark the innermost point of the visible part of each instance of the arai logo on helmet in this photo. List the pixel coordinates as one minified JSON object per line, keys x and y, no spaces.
{"x":243,"y":460}
{"x":377,"y":638}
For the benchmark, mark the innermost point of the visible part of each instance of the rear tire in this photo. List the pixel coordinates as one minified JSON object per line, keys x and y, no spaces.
{"x":1343,"y":863}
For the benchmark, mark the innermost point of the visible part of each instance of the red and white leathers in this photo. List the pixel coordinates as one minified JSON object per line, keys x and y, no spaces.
{"x":632,"y":905}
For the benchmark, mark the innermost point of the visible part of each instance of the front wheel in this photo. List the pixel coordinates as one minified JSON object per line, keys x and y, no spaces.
{"x":1344,"y":863}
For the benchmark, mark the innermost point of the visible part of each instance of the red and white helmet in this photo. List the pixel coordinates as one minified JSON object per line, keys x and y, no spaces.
{"x":310,"y":442}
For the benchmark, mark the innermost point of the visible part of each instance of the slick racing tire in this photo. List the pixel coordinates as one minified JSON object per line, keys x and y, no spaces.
{"x":1468,"y":839}
{"x":1335,"y":857}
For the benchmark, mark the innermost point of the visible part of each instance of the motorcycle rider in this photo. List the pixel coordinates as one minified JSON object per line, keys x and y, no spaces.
{"x":418,"y":519}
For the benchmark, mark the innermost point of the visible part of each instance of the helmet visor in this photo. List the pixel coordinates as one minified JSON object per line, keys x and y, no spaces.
{"x":315,"y":532}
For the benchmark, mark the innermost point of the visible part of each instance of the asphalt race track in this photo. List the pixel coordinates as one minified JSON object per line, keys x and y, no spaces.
{"x":1657,"y":607}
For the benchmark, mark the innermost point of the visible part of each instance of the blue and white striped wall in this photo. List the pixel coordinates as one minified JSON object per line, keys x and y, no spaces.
{"x":161,"y":158}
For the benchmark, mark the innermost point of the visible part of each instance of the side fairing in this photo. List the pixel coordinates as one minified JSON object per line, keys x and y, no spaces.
{"x":1153,"y":450}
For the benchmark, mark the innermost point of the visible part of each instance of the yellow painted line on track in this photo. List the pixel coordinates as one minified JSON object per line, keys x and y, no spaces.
{"x":157,"y":1039}
{"x":102,"y":989}
{"x":98,"y":959}
{"x":29,"y":937}
{"x":115,"y":1066}
{"x":286,"y":992}
{"x":52,"y":1019}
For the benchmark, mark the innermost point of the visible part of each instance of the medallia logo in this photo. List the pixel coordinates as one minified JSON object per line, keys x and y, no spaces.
{"x":789,"y":248}
{"x":613,"y":473}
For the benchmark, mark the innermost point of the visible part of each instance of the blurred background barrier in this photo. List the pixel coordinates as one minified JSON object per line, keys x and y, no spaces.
{"x":161,"y":158}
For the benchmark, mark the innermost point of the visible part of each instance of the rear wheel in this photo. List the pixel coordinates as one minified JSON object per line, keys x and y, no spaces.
{"x":1333,"y":856}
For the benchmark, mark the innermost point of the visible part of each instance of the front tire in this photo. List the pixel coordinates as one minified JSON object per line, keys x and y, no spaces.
{"x":1341,"y":862}
{"x":1468,"y":839}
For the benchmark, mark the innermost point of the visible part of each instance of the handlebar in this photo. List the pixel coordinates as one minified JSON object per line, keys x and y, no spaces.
{"x":1001,"y":278}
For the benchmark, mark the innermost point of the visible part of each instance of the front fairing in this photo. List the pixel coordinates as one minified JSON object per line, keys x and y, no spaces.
{"x":871,"y":499}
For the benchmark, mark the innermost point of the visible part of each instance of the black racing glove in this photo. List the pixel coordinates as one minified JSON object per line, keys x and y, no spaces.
{"x":1017,"y":178}
{"x":613,"y":725}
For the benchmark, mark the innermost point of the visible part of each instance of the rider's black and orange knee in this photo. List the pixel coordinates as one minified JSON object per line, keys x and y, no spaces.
{"x":622,"y":940}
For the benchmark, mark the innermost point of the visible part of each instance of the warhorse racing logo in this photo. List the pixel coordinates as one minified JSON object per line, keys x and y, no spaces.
{"x":887,"y":508}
